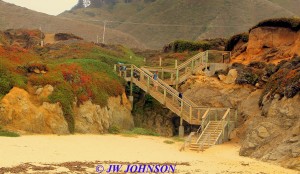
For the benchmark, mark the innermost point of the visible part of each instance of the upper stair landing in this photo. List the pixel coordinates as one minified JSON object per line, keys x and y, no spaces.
{"x":210,"y":59}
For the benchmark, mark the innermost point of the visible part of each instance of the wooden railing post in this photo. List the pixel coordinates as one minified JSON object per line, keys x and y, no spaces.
{"x":206,"y":61}
{"x":148,"y":84}
{"x":181,"y":107}
{"x":131,"y":79}
{"x":228,"y":119}
{"x":115,"y":67}
{"x":177,"y":79}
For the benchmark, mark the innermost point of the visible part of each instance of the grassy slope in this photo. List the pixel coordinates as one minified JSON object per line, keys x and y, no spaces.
{"x":241,"y":15}
{"x":77,"y":69}
{"x":12,"y":16}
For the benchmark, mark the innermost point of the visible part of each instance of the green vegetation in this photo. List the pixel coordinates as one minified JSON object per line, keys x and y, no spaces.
{"x":141,"y":131}
{"x":235,"y":39}
{"x":181,"y":46}
{"x":169,"y":142}
{"x":79,"y":71}
{"x":247,"y":74}
{"x":114,"y":130}
{"x":63,"y":94}
{"x":5,"y":133}
{"x":5,"y":82}
{"x":179,"y":139}
{"x":284,"y":81}
{"x":9,"y":80}
{"x":291,"y":23}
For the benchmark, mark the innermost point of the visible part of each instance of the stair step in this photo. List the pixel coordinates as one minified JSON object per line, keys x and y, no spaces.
{"x":202,"y":148}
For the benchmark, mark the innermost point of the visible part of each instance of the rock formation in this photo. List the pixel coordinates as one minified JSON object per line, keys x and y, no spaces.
{"x":91,"y":118}
{"x":268,"y":44}
{"x":25,"y":113}
{"x":19,"y":113}
{"x":274,"y":134}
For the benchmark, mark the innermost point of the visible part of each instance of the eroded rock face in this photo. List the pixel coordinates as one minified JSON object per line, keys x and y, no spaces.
{"x":276,"y":135}
{"x":22,"y":112}
{"x":270,"y":37}
{"x":91,"y":118}
{"x":269,"y":44}
{"x":270,"y":133}
{"x":158,"y":120}
{"x":211,"y":92}
{"x":19,"y":113}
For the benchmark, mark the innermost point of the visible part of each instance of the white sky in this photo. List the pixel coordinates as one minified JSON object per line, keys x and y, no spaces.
{"x":52,"y":7}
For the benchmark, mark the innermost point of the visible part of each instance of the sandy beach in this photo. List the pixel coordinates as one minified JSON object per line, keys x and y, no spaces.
{"x":49,"y":154}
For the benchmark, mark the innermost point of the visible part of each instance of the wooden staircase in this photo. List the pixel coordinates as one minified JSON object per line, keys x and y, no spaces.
{"x":215,"y":132}
{"x":209,"y":118}
{"x":182,"y":72}
{"x":178,"y":74}
{"x":209,"y":136}
{"x":165,"y":94}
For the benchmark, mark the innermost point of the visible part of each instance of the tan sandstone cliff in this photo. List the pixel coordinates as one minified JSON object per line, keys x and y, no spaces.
{"x":268,"y":44}
{"x":25,"y":113}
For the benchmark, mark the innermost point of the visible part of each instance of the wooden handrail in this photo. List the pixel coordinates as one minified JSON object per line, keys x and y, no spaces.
{"x":161,"y":84}
{"x":189,"y":109}
{"x":205,"y":139}
{"x":202,"y":133}
{"x":226,"y":114}
{"x":206,"y":113}
{"x":171,"y":89}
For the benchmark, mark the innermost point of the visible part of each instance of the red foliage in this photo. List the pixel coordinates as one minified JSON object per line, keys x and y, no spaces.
{"x":85,"y":79}
{"x":79,"y":80}
{"x":180,"y":56}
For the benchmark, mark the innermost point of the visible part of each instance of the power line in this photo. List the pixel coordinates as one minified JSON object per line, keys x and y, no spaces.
{"x":168,"y":25}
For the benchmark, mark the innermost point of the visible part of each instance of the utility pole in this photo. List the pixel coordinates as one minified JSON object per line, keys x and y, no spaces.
{"x":42,"y":42}
{"x":104,"y":29}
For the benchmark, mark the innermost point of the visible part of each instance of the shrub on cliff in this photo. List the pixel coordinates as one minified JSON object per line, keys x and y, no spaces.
{"x":66,"y":36}
{"x":247,"y":74}
{"x":284,"y":82}
{"x":5,"y":83}
{"x":64,"y":95}
{"x":235,"y":39}
{"x":203,"y":45}
{"x":181,"y":46}
{"x":8,"y":80}
{"x":83,"y":79}
{"x":291,"y":23}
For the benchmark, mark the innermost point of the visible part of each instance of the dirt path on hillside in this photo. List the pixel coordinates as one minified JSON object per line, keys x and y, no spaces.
{"x":83,"y":153}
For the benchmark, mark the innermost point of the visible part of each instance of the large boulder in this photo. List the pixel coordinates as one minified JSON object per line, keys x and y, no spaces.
{"x":230,"y":78}
{"x":19,"y":113}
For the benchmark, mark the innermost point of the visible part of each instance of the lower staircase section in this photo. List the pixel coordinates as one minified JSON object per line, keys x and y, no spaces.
{"x":211,"y":135}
